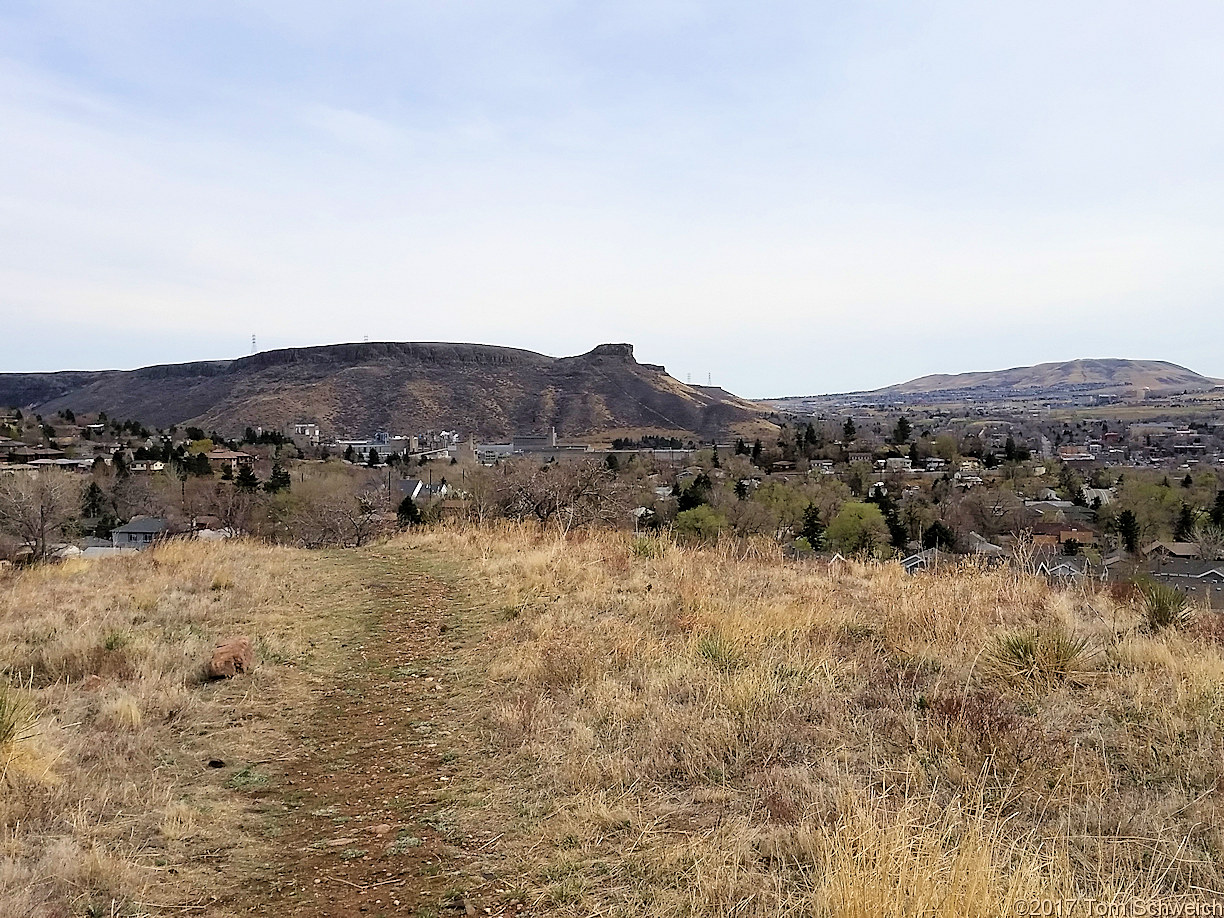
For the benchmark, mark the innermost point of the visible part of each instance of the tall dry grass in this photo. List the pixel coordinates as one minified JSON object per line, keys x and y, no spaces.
{"x":106,"y":729}
{"x":703,"y":731}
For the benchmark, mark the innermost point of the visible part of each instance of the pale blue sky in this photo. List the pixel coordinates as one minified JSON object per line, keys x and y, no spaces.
{"x":792,"y":197}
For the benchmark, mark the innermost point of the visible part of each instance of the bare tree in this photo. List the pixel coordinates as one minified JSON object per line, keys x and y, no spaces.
{"x":39,"y":509}
{"x":569,"y":493}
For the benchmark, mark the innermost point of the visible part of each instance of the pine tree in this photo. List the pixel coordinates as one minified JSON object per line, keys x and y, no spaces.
{"x":1184,"y":531}
{"x":408,"y":513}
{"x":279,"y":480}
{"x":901,"y":433}
{"x":246,"y":479}
{"x":813,"y":529}
{"x":94,"y":501}
{"x":1128,"y":529}
{"x":848,"y":431}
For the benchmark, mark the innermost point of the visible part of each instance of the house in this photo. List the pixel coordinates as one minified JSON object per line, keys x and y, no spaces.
{"x":898,"y":464}
{"x":935,"y":464}
{"x":307,"y":432}
{"x":228,"y":458}
{"x":1186,"y":551}
{"x":921,"y":561}
{"x":1077,"y":535}
{"x":139,"y":533}
{"x":978,"y":545}
{"x":419,"y":491}
{"x":1063,"y":568}
{"x":859,"y":455}
{"x":1203,"y":580}
{"x":31,"y":453}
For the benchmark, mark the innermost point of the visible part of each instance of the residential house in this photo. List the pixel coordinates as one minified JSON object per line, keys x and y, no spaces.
{"x":419,"y":491}
{"x":138,"y":533}
{"x":1063,"y":568}
{"x":921,"y":561}
{"x":1186,"y":551}
{"x":229,"y":459}
{"x":1202,"y":580}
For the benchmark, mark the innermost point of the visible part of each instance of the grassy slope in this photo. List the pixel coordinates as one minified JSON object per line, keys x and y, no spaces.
{"x":691,"y":732}
{"x":108,"y":803}
{"x":627,"y":728}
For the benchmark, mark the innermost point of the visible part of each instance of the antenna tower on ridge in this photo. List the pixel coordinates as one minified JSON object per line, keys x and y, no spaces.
{"x":252,"y":344}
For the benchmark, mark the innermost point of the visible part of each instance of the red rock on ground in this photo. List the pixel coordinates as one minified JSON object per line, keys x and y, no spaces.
{"x":231,"y":658}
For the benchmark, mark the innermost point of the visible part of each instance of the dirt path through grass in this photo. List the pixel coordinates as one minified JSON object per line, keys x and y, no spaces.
{"x":358,"y":811}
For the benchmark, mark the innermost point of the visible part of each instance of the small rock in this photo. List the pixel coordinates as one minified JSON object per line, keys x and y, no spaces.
{"x":92,"y":683}
{"x":231,"y":658}
{"x":380,"y":829}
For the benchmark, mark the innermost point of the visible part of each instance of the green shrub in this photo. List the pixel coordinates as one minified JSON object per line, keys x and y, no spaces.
{"x":702,"y":524}
{"x":648,"y":548}
{"x":1039,"y":659}
{"x":1164,"y":606}
{"x":720,"y":651}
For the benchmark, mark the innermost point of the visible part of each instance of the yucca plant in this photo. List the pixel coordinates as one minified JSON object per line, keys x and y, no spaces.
{"x":1039,"y":658}
{"x":16,"y":720}
{"x":1165,"y":606}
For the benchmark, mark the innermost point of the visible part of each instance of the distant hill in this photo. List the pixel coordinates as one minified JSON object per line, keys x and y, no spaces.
{"x":401,"y":387}
{"x":1069,"y":379}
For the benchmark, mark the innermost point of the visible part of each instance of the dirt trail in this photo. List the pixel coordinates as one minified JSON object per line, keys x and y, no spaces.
{"x":361,"y":811}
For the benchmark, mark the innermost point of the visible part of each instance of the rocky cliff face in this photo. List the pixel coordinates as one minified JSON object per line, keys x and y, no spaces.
{"x":355,"y":388}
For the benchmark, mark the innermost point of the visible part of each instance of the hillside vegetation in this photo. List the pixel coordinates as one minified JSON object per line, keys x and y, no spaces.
{"x":1110,"y":376}
{"x":107,"y":727}
{"x":635,"y":727}
{"x":352,"y":389}
{"x":719,"y":731}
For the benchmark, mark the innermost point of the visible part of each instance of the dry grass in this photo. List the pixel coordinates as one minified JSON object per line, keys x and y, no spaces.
{"x":696,"y":731}
{"x":106,"y":727}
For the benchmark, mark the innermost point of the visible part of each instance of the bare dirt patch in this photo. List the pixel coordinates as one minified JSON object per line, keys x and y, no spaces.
{"x":362,"y":812}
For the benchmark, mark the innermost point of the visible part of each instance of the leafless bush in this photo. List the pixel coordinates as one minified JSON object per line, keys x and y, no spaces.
{"x":39,"y":509}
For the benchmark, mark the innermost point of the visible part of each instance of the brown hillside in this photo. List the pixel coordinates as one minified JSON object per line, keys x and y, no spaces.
{"x":356,"y":388}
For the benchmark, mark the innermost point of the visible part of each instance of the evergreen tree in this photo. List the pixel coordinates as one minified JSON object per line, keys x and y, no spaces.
{"x":741,"y":448}
{"x":350,"y":454}
{"x":741,"y":489}
{"x":913,"y":455}
{"x":901,"y":433}
{"x":756,"y":452}
{"x":1128,"y":529}
{"x":246,"y":479}
{"x":408,"y":513}
{"x":813,"y":529}
{"x":848,"y":431}
{"x":94,"y":501}
{"x":888,"y":507}
{"x":279,"y":480}
{"x":938,"y":535}
{"x":372,"y":459}
{"x":1184,"y":530}
{"x":695,"y":494}
{"x":1188,"y":481}
{"x":1217,"y":510}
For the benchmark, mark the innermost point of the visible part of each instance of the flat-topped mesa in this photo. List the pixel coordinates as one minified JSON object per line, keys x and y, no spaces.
{"x":611,"y":350}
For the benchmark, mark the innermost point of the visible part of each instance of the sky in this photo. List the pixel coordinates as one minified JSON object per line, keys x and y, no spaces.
{"x":782,"y":198}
